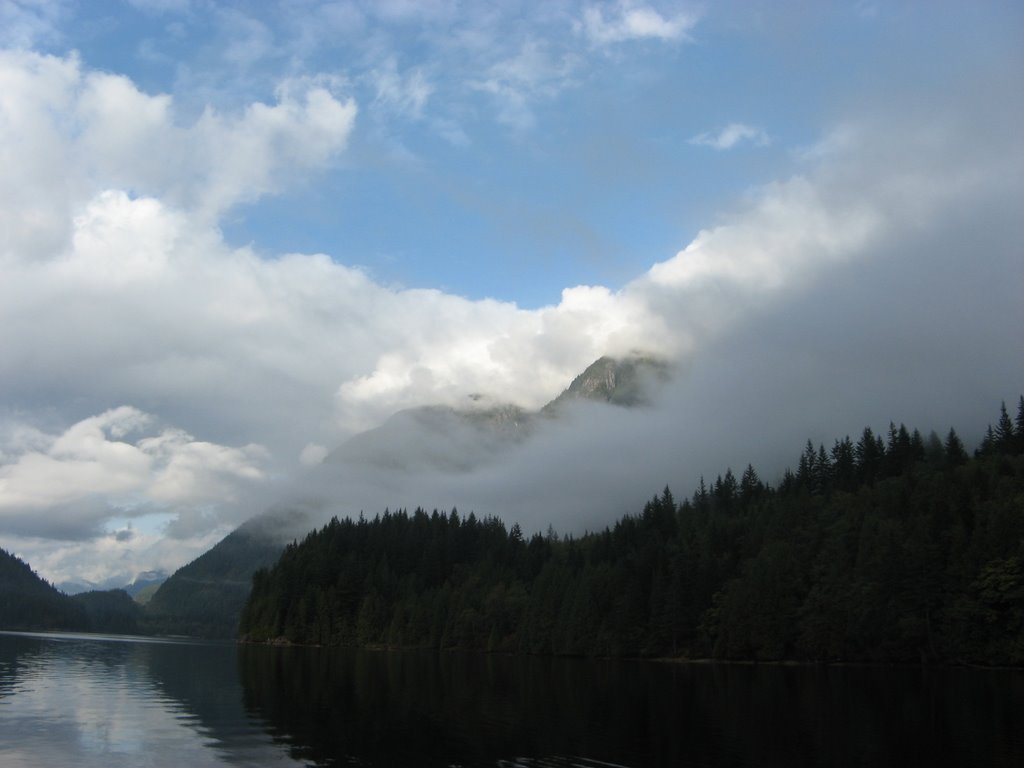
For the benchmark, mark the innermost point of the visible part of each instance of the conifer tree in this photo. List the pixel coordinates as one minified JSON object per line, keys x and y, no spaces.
{"x":700,"y":496}
{"x":668,"y":501}
{"x":1019,"y":425}
{"x":750,"y":484}
{"x":869,"y":454}
{"x":934,"y":451}
{"x":822,"y":475}
{"x":725,"y":490}
{"x":1005,"y":437}
{"x":805,"y":467}
{"x":844,"y":468}
{"x":989,"y":444}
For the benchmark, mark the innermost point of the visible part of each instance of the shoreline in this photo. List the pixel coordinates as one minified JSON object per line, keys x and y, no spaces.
{"x":281,"y":642}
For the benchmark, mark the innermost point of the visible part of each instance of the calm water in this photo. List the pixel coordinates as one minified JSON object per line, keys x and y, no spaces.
{"x":106,"y":701}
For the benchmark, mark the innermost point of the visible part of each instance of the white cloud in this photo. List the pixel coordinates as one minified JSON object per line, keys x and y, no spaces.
{"x":96,"y":459}
{"x":119,"y":288}
{"x":191,"y":471}
{"x":731,"y":135}
{"x":787,"y":234}
{"x":24,"y":23}
{"x":66,"y":133}
{"x":248,"y":157}
{"x":399,"y":93}
{"x":250,"y":41}
{"x":83,"y":461}
{"x":445,"y":53}
{"x":628,"y":20}
{"x":534,"y":73}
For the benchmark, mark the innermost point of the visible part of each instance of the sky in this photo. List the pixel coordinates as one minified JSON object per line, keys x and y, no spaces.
{"x":233,"y":235}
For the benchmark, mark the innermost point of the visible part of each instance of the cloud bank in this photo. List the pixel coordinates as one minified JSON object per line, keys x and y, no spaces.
{"x":113,"y":464}
{"x":70,"y":134}
{"x":155,"y":374}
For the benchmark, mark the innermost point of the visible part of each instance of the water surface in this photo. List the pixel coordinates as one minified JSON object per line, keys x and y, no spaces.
{"x":89,"y":700}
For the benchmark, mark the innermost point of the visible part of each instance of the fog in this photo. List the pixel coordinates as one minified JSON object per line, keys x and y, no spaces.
{"x":886,"y":338}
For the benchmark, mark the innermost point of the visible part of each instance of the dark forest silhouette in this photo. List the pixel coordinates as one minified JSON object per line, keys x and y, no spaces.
{"x":892,"y":547}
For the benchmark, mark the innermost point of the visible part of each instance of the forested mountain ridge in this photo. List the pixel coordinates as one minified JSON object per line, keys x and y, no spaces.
{"x":887,"y":548}
{"x":205,"y":597}
{"x":27,"y":602}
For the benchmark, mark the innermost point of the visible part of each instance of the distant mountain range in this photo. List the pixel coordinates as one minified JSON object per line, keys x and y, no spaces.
{"x":141,"y":588}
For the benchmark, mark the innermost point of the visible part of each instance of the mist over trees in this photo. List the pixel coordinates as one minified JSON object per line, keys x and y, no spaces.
{"x":888,"y":547}
{"x":894,"y":547}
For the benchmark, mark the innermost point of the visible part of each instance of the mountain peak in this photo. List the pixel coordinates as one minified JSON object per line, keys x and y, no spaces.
{"x":459,"y":438}
{"x":622,"y":381}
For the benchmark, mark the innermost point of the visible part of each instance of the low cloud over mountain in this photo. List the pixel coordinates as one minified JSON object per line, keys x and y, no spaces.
{"x":163,"y":383}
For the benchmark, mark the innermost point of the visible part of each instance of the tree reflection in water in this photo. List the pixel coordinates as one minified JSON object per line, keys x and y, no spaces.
{"x":337,"y":707}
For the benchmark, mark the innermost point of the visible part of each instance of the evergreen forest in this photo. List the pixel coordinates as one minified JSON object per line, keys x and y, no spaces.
{"x":28,"y":602}
{"x":888,"y":548}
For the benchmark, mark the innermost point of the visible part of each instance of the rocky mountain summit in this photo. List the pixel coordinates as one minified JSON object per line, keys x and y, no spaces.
{"x":450,"y":438}
{"x":627,"y":382}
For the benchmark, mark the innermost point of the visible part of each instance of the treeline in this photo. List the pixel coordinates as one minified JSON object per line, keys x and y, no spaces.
{"x":892,"y":547}
{"x":28,"y":602}
{"x":111,"y":610}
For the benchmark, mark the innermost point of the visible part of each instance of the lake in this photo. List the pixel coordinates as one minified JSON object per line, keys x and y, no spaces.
{"x":87,"y":700}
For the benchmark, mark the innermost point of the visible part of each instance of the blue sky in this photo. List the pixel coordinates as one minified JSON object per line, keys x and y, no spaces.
{"x":582,"y":173}
{"x":234,"y":234}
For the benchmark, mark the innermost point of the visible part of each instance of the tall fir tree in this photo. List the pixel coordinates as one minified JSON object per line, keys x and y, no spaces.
{"x":1006,"y":441}
{"x":1019,"y":425}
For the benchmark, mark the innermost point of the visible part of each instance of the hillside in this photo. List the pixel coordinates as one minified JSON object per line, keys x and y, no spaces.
{"x":27,"y":602}
{"x":205,"y":597}
{"x":436,"y":438}
{"x":895,"y":549}
{"x":112,"y":610}
{"x":145,"y":594}
{"x":145,"y":585}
